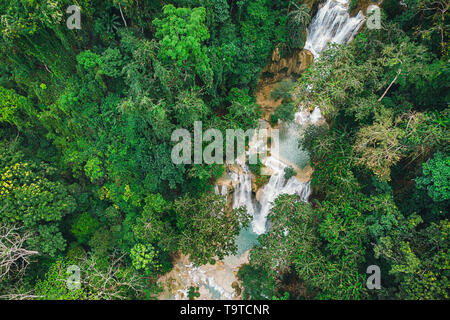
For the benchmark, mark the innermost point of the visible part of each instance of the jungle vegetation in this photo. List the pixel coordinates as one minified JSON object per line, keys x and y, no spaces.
{"x":86,"y":177}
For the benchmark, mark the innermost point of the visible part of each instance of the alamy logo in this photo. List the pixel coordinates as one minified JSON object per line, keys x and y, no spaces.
{"x":74,"y":20}
{"x":213,"y":153}
{"x":373,"y":17}
{"x":374,"y":280}
{"x":73,"y":281}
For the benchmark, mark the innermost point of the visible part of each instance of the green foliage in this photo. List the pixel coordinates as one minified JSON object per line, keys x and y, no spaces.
{"x":436,"y":177}
{"x":181,"y":34}
{"x":207,"y":228}
{"x":364,"y":163}
{"x":84,"y":227}
{"x":193,"y":293}
{"x":93,"y":169}
{"x":54,"y":284}
{"x":257,"y":283}
{"x":153,"y":226}
{"x":15,"y":109}
{"x":378,"y":145}
{"x":102,"y":241}
{"x":352,"y":5}
{"x":34,"y":196}
{"x":285,"y":296}
{"x":283,"y":90}
{"x":144,"y":257}
{"x":420,"y":267}
{"x":86,"y":118}
{"x":284,"y":112}
{"x":298,"y":20}
{"x":260,"y":181}
{"x":325,"y":245}
{"x":289,"y":172}
{"x":311,"y":136}
{"x":111,"y":63}
{"x":255,"y":168}
{"x":243,"y":112}
{"x":97,"y":281}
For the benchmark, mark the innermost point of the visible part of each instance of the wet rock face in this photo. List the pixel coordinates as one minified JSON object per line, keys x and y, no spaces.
{"x":294,"y":65}
{"x":303,"y":60}
{"x":237,"y":288}
{"x":313,"y":5}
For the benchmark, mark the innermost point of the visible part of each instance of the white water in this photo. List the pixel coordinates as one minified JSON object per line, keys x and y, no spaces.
{"x":303,"y":117}
{"x":276,"y":186}
{"x":223,"y":191}
{"x":332,"y":23}
{"x":243,"y":192}
{"x":199,"y":277}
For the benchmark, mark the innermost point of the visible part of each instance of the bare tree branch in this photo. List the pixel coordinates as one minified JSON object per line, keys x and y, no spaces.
{"x":387,"y":89}
{"x":13,"y":254}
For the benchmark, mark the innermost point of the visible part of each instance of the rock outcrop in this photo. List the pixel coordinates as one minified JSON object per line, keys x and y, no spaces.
{"x":294,"y":65}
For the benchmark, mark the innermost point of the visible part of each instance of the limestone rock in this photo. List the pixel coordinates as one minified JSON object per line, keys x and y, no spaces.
{"x":295,"y":64}
{"x":259,"y":194}
{"x":237,"y":288}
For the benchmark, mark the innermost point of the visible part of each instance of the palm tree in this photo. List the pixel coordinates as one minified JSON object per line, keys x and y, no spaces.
{"x":298,"y":20}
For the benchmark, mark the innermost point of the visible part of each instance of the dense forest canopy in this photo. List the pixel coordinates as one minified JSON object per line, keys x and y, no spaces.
{"x":86,"y":177}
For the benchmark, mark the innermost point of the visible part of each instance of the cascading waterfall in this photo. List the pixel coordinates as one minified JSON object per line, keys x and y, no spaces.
{"x":243,"y":191}
{"x":332,"y":23}
{"x":276,"y":186}
{"x":199,"y":277}
{"x":223,"y":191}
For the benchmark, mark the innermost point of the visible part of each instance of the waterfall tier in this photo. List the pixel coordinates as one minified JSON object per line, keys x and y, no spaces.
{"x":275,"y":164}
{"x":332,"y":23}
{"x":277,"y":186}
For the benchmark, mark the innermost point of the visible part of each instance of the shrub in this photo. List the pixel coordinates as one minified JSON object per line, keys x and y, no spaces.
{"x":193,"y":293}
{"x":289,"y":173}
{"x":285,"y":112}
{"x":283,"y":90}
{"x":255,"y":168}
{"x":84,"y":227}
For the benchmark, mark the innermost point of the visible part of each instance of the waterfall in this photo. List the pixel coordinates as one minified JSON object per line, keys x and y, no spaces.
{"x":276,"y":186}
{"x":316,"y":115}
{"x":303,"y":117}
{"x":200,"y":278}
{"x":332,"y":23}
{"x":243,"y":190}
{"x":223,"y":190}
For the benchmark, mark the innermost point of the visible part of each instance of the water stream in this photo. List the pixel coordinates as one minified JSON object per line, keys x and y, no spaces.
{"x":289,"y":153}
{"x":332,"y":23}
